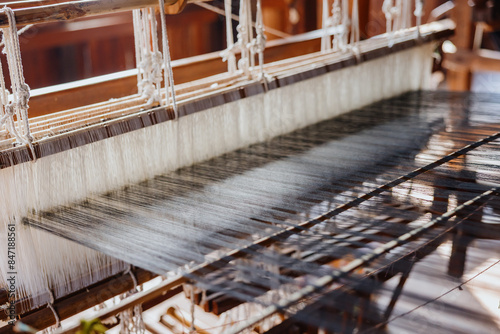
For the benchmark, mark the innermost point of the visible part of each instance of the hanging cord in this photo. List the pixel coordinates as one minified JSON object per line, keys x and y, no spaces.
{"x":391,"y":12}
{"x":259,"y":42}
{"x":129,"y":271}
{"x":50,"y":305}
{"x":355,"y":35}
{"x":18,"y":105}
{"x":169,"y":77}
{"x":229,"y":54}
{"x":192,"y":329}
{"x":345,"y":24}
{"x":406,"y":14}
{"x":235,"y":17}
{"x":325,"y":24}
{"x":148,"y":57}
{"x":419,"y":12}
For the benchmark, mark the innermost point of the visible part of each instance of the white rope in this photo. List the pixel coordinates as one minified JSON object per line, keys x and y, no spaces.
{"x":148,"y":57}
{"x":345,"y":24}
{"x":244,"y":36}
{"x":325,"y":39}
{"x":337,"y":25}
{"x":50,"y":305}
{"x":18,"y":105}
{"x":259,"y":42}
{"x":406,"y":14}
{"x":419,"y":12}
{"x":336,"y":21}
{"x":229,"y":54}
{"x":355,"y":32}
{"x":392,"y":12}
{"x":169,"y":76}
{"x":132,"y":275}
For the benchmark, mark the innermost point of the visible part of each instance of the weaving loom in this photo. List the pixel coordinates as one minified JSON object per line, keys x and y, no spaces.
{"x":278,"y":194}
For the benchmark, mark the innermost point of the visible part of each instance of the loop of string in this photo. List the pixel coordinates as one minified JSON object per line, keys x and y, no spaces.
{"x":229,"y":54}
{"x":169,"y":77}
{"x":337,"y":25}
{"x":17,"y":105}
{"x":148,"y":57}
{"x":50,"y":305}
{"x":153,"y":66}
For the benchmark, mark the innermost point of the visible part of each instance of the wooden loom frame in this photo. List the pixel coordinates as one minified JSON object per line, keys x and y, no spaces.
{"x":111,"y":128}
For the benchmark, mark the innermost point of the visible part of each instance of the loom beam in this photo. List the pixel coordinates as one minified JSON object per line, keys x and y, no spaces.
{"x":84,"y":299}
{"x":63,"y":11}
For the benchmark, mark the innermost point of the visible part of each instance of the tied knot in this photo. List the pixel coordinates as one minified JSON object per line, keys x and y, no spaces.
{"x":24,"y":96}
{"x":419,"y":9}
{"x":9,"y":109}
{"x":389,"y":9}
{"x":228,"y":53}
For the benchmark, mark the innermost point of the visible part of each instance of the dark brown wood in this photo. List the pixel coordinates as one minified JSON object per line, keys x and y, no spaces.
{"x":82,"y":300}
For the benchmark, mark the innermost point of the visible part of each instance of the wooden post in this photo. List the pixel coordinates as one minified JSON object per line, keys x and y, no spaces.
{"x":459,"y":79}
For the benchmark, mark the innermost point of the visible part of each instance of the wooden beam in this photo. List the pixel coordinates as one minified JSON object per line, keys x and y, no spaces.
{"x":82,"y":300}
{"x":472,"y":61}
{"x":63,"y":11}
{"x":460,"y":79}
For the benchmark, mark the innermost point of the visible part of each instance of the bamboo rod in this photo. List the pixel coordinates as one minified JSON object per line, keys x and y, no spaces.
{"x":56,"y":11}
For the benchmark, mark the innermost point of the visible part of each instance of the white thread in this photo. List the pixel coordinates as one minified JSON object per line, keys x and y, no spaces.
{"x":259,"y":42}
{"x":419,"y":12}
{"x":169,"y":79}
{"x":392,"y":12}
{"x":244,"y":29}
{"x":193,"y":328}
{"x":325,"y":39}
{"x":18,"y":105}
{"x":355,"y":35}
{"x":229,"y":54}
{"x":345,"y":24}
{"x":132,"y":275}
{"x":50,"y":305}
{"x":336,"y":21}
{"x":148,"y":57}
{"x":337,"y":25}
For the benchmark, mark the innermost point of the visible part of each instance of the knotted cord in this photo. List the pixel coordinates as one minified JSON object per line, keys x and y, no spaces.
{"x":17,"y":105}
